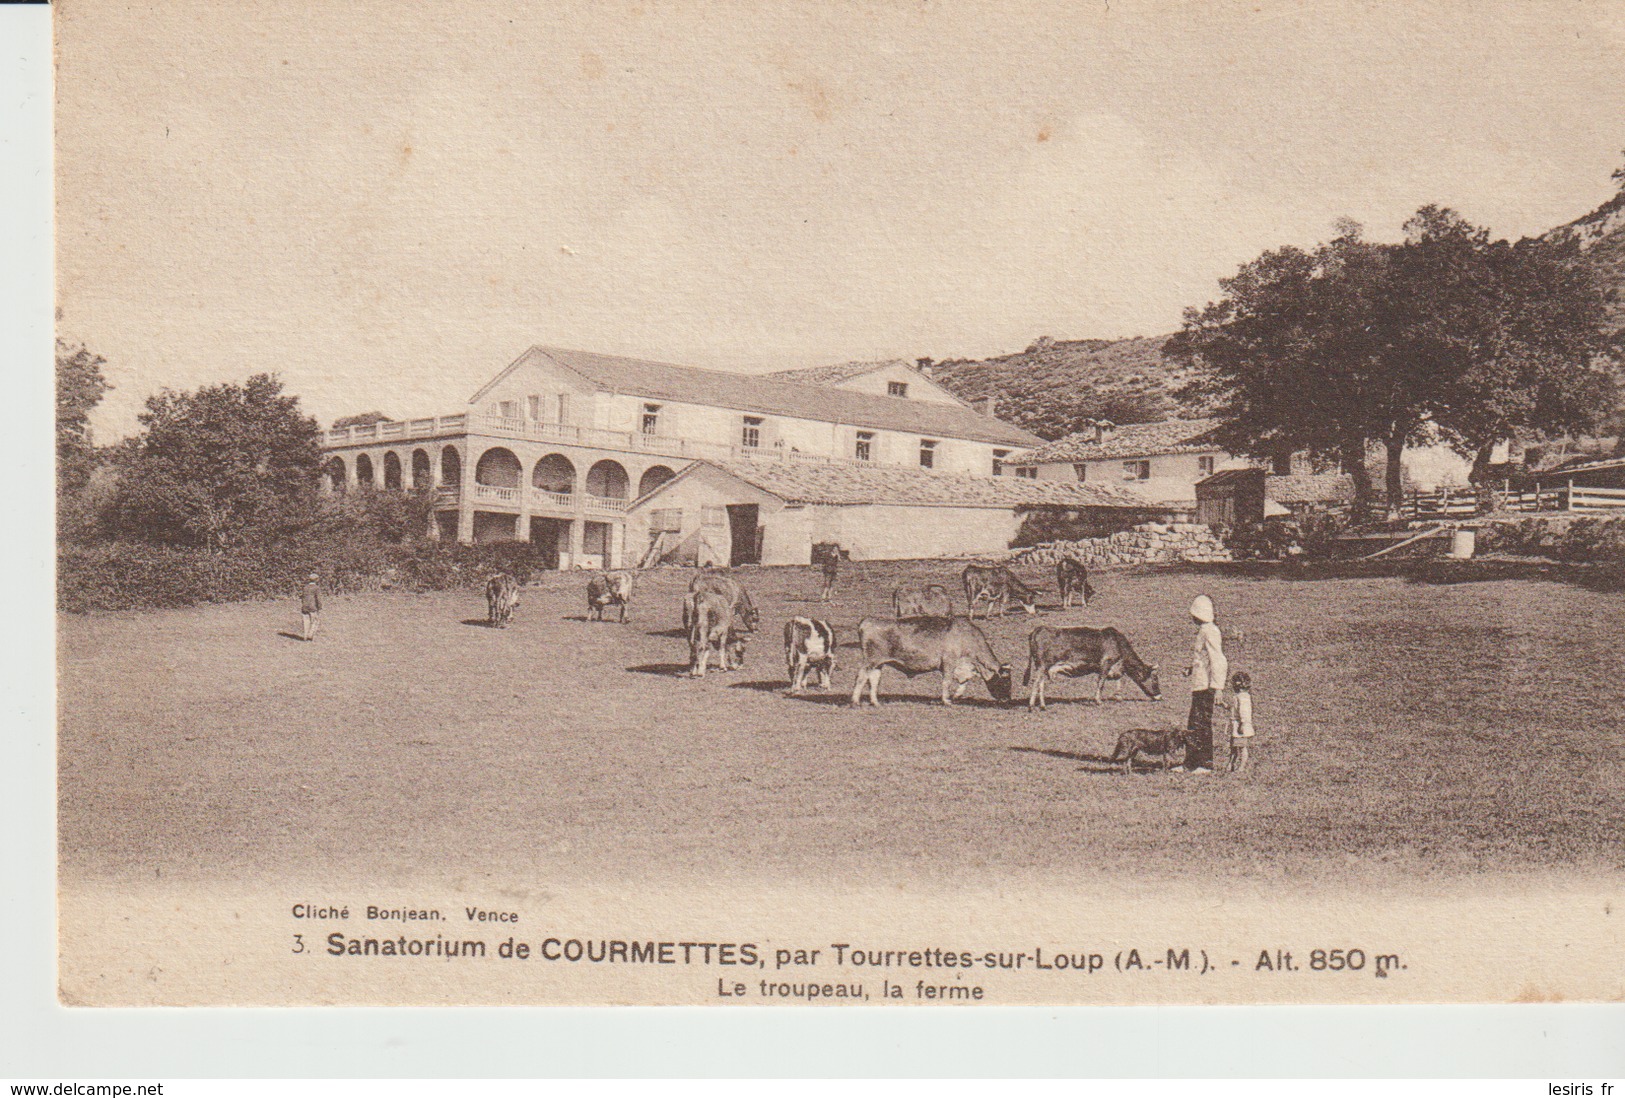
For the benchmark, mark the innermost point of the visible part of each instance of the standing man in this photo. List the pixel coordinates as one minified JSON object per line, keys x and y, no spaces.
{"x":310,"y":605}
{"x":1209,"y":671}
{"x":827,"y":555}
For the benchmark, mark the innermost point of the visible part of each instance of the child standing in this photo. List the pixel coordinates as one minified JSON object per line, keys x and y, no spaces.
{"x":1241,"y":720}
{"x":1209,"y":671}
{"x":310,"y":605}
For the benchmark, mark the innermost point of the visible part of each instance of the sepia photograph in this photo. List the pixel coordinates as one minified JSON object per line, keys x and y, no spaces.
{"x":842,"y":503}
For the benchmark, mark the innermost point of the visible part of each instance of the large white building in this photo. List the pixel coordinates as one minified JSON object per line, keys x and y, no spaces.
{"x":560,"y":446}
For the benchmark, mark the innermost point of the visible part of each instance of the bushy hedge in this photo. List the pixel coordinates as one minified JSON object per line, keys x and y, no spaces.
{"x":1560,"y":537}
{"x":135,"y":576}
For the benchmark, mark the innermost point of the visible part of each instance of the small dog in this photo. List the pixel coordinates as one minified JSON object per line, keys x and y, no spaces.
{"x":1150,"y":743}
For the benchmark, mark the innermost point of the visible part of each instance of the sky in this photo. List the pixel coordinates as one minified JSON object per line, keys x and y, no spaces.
{"x":385,"y":203}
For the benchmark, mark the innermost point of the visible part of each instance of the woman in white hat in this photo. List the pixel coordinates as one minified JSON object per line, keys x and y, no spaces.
{"x":1209,"y":670}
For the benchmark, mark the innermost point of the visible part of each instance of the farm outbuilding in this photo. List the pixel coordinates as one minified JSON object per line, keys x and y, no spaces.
{"x":752,"y":512}
{"x":1238,"y":497}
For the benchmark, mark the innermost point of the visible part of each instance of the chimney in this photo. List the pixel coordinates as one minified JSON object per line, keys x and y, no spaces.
{"x":987,"y":406}
{"x":926,"y":366}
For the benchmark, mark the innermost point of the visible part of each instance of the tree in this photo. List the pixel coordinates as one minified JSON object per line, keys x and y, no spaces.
{"x":220,"y":466}
{"x":363,"y":419}
{"x":1446,"y":335}
{"x":79,"y":388}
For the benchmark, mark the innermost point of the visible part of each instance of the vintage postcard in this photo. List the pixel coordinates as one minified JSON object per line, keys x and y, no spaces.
{"x":841,"y":503}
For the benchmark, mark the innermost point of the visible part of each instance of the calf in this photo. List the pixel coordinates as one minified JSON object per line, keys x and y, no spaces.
{"x":1072,"y":578}
{"x":1150,"y":743}
{"x":952,"y":646}
{"x":809,"y":648}
{"x":501,"y":600}
{"x":998,"y":585}
{"x":914,"y":600}
{"x":1083,"y":651}
{"x":711,"y":629}
{"x":608,"y":589}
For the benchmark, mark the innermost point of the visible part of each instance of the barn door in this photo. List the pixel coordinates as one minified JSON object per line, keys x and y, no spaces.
{"x":742,"y":519}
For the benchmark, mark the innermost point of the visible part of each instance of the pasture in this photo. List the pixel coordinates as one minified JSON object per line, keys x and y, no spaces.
{"x":1408,"y":733}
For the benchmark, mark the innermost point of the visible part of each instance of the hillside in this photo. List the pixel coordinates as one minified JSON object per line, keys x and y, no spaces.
{"x":1601,"y":236}
{"x":1053,"y":386}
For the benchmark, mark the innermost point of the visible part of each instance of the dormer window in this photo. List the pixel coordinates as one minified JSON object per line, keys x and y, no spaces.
{"x":897,"y":388}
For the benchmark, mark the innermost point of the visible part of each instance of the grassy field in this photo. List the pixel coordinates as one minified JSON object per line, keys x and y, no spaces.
{"x":1408,"y":732}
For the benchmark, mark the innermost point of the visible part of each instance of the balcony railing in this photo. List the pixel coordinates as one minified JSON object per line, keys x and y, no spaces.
{"x":571,"y":435}
{"x":538,"y":499}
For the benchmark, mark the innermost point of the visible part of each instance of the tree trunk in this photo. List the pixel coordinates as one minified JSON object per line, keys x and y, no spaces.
{"x":1352,"y":458}
{"x":1481,"y":463}
{"x":1394,"y":475}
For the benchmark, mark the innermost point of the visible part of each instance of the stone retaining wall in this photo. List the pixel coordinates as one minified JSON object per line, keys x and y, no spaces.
{"x":1148,"y":543}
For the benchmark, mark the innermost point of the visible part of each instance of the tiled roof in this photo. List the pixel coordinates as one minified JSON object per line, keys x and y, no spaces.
{"x":774,"y":396}
{"x":840,"y":371}
{"x":1321,"y":488}
{"x":1135,"y":440}
{"x":802,"y":482}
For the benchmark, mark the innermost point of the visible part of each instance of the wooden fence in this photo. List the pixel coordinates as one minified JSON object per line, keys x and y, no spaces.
{"x":1465,"y":502}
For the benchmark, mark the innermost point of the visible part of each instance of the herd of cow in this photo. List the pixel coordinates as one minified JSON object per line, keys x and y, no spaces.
{"x":923,"y":634}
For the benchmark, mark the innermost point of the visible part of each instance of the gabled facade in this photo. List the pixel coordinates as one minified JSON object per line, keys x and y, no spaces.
{"x":557,"y":446}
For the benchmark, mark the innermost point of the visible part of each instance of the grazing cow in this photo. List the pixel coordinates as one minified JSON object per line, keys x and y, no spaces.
{"x":721,"y":583}
{"x":913,"y":600}
{"x":1082,"y":651}
{"x":998,"y":585}
{"x":711,"y":629}
{"x":501,"y":600}
{"x":1072,"y":578}
{"x":1151,"y":743}
{"x":809,"y":649}
{"x":952,"y":646}
{"x":608,"y":589}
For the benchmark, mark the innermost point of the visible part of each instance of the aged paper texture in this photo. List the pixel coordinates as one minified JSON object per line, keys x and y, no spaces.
{"x":428,"y":637}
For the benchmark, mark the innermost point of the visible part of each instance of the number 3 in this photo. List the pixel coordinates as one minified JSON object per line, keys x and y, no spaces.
{"x":298,"y":943}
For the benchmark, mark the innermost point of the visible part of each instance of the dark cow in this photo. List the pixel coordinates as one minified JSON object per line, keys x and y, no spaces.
{"x":1072,"y":578}
{"x":501,"y":600}
{"x":1159,"y":744}
{"x":1082,"y":651}
{"x":712,"y":629}
{"x":809,"y":649}
{"x":999,"y":586}
{"x":952,"y":646}
{"x":721,"y":583}
{"x":609,"y":589}
{"x":913,"y":600}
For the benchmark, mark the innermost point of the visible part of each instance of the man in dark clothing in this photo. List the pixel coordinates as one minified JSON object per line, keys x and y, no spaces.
{"x":310,"y":605}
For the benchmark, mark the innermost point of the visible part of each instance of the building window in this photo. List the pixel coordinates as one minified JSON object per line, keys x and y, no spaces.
{"x":508,"y":409}
{"x":1080,"y":469}
{"x":650,"y":424}
{"x":928,"y":453}
{"x":897,"y":388}
{"x":751,"y":436}
{"x":1136,"y":470}
{"x":998,"y":462}
{"x":864,"y":450}
{"x":564,"y":407}
{"x":1204,"y":465}
{"x":1028,"y":472}
{"x":535,"y":407}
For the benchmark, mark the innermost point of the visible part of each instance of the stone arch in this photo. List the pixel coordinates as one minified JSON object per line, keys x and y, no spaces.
{"x":653,"y":477}
{"x":498,"y":468}
{"x":392,"y":471}
{"x":554,"y":473}
{"x":451,"y":467}
{"x":608,"y":480}
{"x":363,"y":471}
{"x":333,"y":474}
{"x":422,"y":470}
